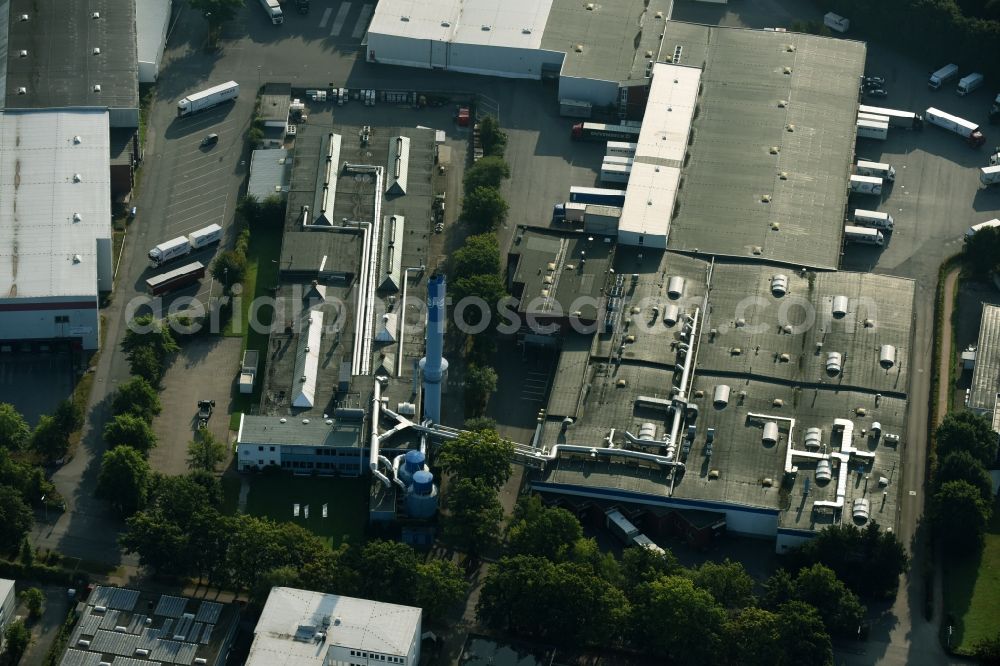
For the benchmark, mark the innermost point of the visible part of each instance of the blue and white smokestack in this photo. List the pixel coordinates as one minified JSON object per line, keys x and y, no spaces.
{"x":434,"y":365}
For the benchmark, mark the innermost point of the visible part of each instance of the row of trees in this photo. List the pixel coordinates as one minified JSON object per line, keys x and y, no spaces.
{"x":556,"y":586}
{"x":182,"y":532}
{"x":49,"y":440}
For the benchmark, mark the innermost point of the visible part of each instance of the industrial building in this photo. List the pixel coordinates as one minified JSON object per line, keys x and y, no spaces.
{"x":125,"y":627}
{"x":152,"y":19}
{"x":270,"y":173}
{"x":984,"y":392}
{"x":326,"y":447}
{"x":8,"y":605}
{"x":55,"y":225}
{"x":303,"y":628}
{"x":599,"y":53}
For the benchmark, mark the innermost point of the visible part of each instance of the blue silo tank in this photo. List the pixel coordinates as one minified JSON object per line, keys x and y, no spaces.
{"x":423,"y":482}
{"x":414,"y":461}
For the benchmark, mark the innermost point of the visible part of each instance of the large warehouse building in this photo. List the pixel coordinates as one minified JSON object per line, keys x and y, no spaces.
{"x":55,"y":225}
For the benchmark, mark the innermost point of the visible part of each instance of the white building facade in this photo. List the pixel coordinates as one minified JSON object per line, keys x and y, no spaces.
{"x":152,"y":18}
{"x":8,"y":604}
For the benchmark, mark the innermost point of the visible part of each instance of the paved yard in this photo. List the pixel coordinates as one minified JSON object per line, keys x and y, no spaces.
{"x":36,"y":382}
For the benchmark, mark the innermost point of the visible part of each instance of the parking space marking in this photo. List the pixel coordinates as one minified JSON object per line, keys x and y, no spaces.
{"x":362,"y":24}
{"x":203,"y":169}
{"x":338,"y":21}
{"x":203,"y":196}
{"x":203,"y":204}
{"x":204,"y":218}
{"x":326,"y":17}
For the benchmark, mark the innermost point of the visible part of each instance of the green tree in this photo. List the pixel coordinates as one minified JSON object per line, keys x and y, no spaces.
{"x":641,"y":565}
{"x":440,"y":586}
{"x":480,"y":423}
{"x":124,"y":480}
{"x":16,"y":518}
{"x":753,"y":637}
{"x":728,"y":583}
{"x":129,"y":430}
{"x":960,"y":515}
{"x":16,"y":640}
{"x":48,"y":439}
{"x":487,"y":172}
{"x":144,"y":363}
{"x":484,"y":208}
{"x":539,"y":530}
{"x":987,"y":650}
{"x":804,"y":640}
{"x":482,"y":455}
{"x":479,"y":255}
{"x":840,"y":609}
{"x":489,"y":289}
{"x":272,"y":212}
{"x":68,"y":417}
{"x":27,"y":554}
{"x":967,"y":431}
{"x":673,"y":618}
{"x":14,"y":430}
{"x":963,"y":466}
{"x":494,"y":139}
{"x":982,"y":251}
{"x":229,"y":267}
{"x":480,"y":384}
{"x":284,"y":576}
{"x":205,"y":451}
{"x":216,"y":12}
{"x":474,"y":514}
{"x":332,"y":573}
{"x":34,"y":600}
{"x":136,"y":396}
{"x":161,"y":544}
{"x":778,"y":589}
{"x":144,"y":332}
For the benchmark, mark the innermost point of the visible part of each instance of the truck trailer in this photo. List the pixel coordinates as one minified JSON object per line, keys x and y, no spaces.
{"x":206,"y":99}
{"x":597,"y":195}
{"x":964,"y":128}
{"x":870,"y":129}
{"x":874,"y":219}
{"x":969,"y":83}
{"x":615,"y":173}
{"x":273,"y":11}
{"x":183,"y":245}
{"x":176,"y":279}
{"x":627,"y":131}
{"x":880,"y":169}
{"x":863,"y":236}
{"x":874,"y":117}
{"x":897,"y":117}
{"x":620,"y":149}
{"x":866,"y":184}
{"x":990,"y":176}
{"x":944,"y":74}
{"x":979,"y":227}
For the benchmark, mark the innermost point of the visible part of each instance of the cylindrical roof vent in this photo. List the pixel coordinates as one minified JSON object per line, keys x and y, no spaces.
{"x":720,"y":398}
{"x":834,"y":363}
{"x":675,"y":287}
{"x":814,"y":438}
{"x":770,"y":437}
{"x":887,"y":356}
{"x":824,"y":471}
{"x":670,"y":314}
{"x":423,"y":483}
{"x":839,"y":307}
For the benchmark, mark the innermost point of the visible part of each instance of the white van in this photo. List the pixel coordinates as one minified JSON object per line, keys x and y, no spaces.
{"x":874,"y":219}
{"x":863,"y":235}
{"x":880,"y":169}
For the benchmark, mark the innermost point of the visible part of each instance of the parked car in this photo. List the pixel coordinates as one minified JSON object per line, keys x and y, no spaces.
{"x":876,"y":92}
{"x":874,"y":81}
{"x":210,"y":140}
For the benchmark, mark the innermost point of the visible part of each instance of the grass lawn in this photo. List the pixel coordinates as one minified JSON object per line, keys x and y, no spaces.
{"x":972,"y":591}
{"x":273,"y":497}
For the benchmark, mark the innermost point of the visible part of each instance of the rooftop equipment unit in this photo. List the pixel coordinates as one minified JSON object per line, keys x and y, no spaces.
{"x":779,"y":285}
{"x":862,"y":509}
{"x":814,"y":438}
{"x":770,"y":437}
{"x":671,"y":313}
{"x":647,"y":431}
{"x":720,"y":398}
{"x":834,"y":363}
{"x":675,"y":287}
{"x":887,"y":356}
{"x":839,"y":307}
{"x":824,"y":471}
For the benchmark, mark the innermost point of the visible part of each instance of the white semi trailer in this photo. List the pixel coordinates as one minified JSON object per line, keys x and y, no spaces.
{"x":206,"y":99}
{"x":183,"y":245}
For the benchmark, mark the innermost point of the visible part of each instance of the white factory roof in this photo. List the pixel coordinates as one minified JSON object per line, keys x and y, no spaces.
{"x":55,"y":179}
{"x":516,"y":23}
{"x":150,"y":18}
{"x":649,"y":201}
{"x":353,"y":623}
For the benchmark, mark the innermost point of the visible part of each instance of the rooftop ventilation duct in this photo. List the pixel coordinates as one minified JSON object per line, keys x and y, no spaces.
{"x":834,"y":363}
{"x":770,"y":435}
{"x":839,"y":307}
{"x":720,"y":397}
{"x":96,"y":15}
{"x":22,"y":91}
{"x":77,"y":178}
{"x":77,"y":139}
{"x":23,"y":53}
{"x":887,"y":356}
{"x":675,"y":287}
{"x":779,"y":285}
{"x":814,"y":438}
{"x":824,"y":471}
{"x":97,"y":50}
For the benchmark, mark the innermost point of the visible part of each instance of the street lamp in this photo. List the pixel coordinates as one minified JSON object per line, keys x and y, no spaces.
{"x":258,"y":77}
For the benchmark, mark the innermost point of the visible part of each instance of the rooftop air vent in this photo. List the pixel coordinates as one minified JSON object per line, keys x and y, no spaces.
{"x":22,"y":91}
{"x":525,"y":31}
{"x":578,"y":48}
{"x":783,"y":175}
{"x":839,"y":309}
{"x":97,"y":50}
{"x":778,"y":402}
{"x":305,"y":421}
{"x":787,"y":70}
{"x":621,"y":383}
{"x":776,"y":226}
{"x":589,"y":6}
{"x":77,"y":217}
{"x":785,"y":358}
{"x":765,"y":198}
{"x":486,"y":28}
{"x":23,"y":53}
{"x":445,"y":24}
{"x":77,"y":178}
{"x":782,"y":103}
{"x":860,"y":411}
{"x":404,"y":19}
{"x":77,"y":259}
{"x":790,"y":48}
{"x":97,"y":87}
{"x":658,"y":15}
{"x":24,"y":17}
{"x":714,"y":474}
{"x":767,"y":483}
{"x":77,"y":139}
{"x":757,"y":250}
{"x":774,"y":150}
{"x":282,"y":420}
{"x":96,"y":15}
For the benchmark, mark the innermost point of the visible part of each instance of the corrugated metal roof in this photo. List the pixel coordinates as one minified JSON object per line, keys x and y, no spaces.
{"x":119,"y":598}
{"x":270,"y":173}
{"x":269,"y":430}
{"x":986,"y":375}
{"x":47,"y":219}
{"x":307,"y":360}
{"x":81,"y":658}
{"x":399,"y":165}
{"x":151,"y":18}
{"x":517,"y":23}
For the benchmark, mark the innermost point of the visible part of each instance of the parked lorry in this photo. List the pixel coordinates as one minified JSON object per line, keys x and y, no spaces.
{"x":866,"y":184}
{"x":979,"y":227}
{"x":863,"y":236}
{"x":874,"y":219}
{"x":615,"y":173}
{"x":836,"y":22}
{"x":273,"y":11}
{"x":870,"y":129}
{"x":183,"y":245}
{"x":944,"y":74}
{"x":880,"y":169}
{"x":597,"y":195}
{"x":206,"y":99}
{"x":620,"y":149}
{"x":873,"y":117}
{"x":573,"y":108}
{"x":965,"y":128}
{"x":897,"y":117}
{"x":593,"y":217}
{"x":176,"y":279}
{"x":569,"y":212}
{"x":989,"y":176}
{"x":626,"y":131}
{"x":969,"y":83}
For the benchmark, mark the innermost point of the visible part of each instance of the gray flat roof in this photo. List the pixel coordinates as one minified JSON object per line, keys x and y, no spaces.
{"x":320,"y":255}
{"x":730,"y":170}
{"x":270,"y":173}
{"x":613,"y":37}
{"x":986,"y":375}
{"x":275,"y":102}
{"x":61,"y":68}
{"x":315,"y":432}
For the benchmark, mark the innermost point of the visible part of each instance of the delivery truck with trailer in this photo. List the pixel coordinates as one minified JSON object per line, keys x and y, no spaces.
{"x":836,"y":22}
{"x":618,"y":159}
{"x":966,"y":129}
{"x":626,"y":131}
{"x":615,"y":173}
{"x":874,"y":219}
{"x":946,"y":73}
{"x":273,"y":11}
{"x":897,"y":117}
{"x":979,"y":227}
{"x":620,"y":149}
{"x":870,"y":129}
{"x":863,"y":236}
{"x":183,"y":245}
{"x":990,"y":176}
{"x":880,"y":169}
{"x":597,"y":195}
{"x":969,"y":83}
{"x":866,"y":184}
{"x":206,"y":99}
{"x":873,"y":117}
{"x":574,"y":108}
{"x":176,"y":278}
